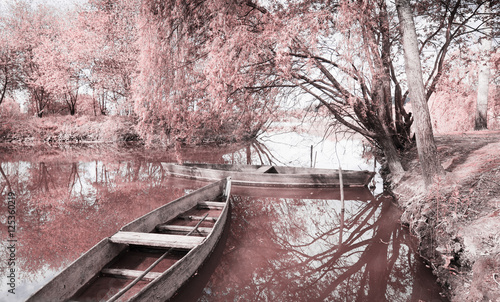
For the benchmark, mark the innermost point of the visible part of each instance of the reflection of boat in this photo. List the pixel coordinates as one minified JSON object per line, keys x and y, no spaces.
{"x":149,"y":258}
{"x":354,"y":193}
{"x":270,"y":176}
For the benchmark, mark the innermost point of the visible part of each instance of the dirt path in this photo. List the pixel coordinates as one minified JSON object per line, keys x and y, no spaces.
{"x":458,"y":220}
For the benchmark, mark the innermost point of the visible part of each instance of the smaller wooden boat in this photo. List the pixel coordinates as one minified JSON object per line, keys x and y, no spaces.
{"x":151,"y":257}
{"x":270,"y":176}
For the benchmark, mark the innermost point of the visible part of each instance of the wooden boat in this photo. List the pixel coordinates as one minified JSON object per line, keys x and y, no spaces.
{"x":149,"y":258}
{"x":270,"y":176}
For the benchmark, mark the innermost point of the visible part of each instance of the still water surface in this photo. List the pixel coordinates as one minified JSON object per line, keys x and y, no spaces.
{"x":281,"y":245}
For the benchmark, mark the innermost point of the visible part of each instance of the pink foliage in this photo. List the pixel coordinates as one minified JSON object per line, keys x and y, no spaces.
{"x":453,"y":106}
{"x":28,"y":28}
{"x":188,"y":70}
{"x":108,"y":46}
{"x":451,"y":112}
{"x":55,"y":55}
{"x":196,"y":63}
{"x":9,"y":108}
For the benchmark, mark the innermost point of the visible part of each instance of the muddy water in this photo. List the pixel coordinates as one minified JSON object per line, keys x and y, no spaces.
{"x":281,"y":245}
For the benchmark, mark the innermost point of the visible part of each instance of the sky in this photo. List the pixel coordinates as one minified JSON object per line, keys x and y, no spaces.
{"x":55,"y":3}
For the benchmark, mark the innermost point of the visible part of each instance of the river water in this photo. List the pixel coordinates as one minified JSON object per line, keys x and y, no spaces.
{"x":281,"y":244}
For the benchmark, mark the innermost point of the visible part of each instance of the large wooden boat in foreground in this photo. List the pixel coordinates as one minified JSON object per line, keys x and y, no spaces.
{"x":149,"y":258}
{"x":270,"y":176}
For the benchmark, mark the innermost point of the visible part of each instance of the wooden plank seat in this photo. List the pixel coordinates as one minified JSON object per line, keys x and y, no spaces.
{"x":181,"y":229}
{"x":211,"y":205}
{"x":195,"y":217}
{"x":157,"y":240}
{"x":129,"y":273}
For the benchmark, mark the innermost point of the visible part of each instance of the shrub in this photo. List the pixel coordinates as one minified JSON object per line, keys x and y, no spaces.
{"x":9,"y":108}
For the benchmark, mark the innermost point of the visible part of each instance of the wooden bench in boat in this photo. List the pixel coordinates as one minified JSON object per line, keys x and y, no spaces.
{"x":129,"y":273}
{"x":157,"y":240}
{"x":196,"y":217}
{"x":181,"y":229}
{"x":211,"y":205}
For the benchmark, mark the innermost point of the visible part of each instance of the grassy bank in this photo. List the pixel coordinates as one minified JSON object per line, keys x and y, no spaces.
{"x":458,"y":220}
{"x":67,"y":129}
{"x":25,"y":130}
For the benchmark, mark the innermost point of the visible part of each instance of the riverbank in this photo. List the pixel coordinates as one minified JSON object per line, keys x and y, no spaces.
{"x":26,"y":130}
{"x":67,"y":129}
{"x":457,"y":221}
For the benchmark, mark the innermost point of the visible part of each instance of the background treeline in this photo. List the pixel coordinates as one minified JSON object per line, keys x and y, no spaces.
{"x":209,"y":70}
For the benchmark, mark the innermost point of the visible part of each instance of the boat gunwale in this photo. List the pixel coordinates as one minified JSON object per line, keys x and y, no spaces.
{"x":254,"y":169}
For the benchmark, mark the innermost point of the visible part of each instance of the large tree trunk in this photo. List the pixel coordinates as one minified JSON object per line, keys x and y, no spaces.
{"x":392,"y":158}
{"x":426,"y":146}
{"x":483,"y":79}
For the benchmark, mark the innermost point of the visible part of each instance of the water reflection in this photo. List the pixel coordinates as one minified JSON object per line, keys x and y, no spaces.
{"x":289,"y":249}
{"x":283,"y":245}
{"x":63,"y":209}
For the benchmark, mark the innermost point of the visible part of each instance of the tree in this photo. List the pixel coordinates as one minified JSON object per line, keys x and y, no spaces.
{"x":244,"y":53}
{"x":111,"y":57}
{"x":27,"y":27}
{"x":56,"y":55}
{"x":252,"y":50}
{"x":426,"y":146}
{"x":481,"y":120}
{"x":343,"y":54}
{"x":8,"y":67}
{"x":60,"y":62}
{"x":457,"y":90}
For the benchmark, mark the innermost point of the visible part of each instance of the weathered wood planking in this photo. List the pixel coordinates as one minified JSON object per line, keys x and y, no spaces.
{"x":270,"y":176}
{"x":148,"y":222}
{"x":157,"y":240}
{"x":166,"y":285}
{"x":211,"y":205}
{"x":129,"y":273}
{"x":197,"y":217}
{"x":77,"y":274}
{"x":163,"y":286}
{"x":180,"y":229}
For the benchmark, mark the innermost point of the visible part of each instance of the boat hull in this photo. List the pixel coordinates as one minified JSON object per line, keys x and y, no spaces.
{"x":166,"y":285}
{"x":63,"y":286}
{"x":82,"y":271}
{"x":270,"y":176}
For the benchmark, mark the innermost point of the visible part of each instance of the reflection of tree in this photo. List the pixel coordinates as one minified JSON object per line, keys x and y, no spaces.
{"x":74,"y":176}
{"x":63,"y":209}
{"x":112,"y":153}
{"x":44,"y":178}
{"x":68,"y":198}
{"x":262,"y":152}
{"x":289,"y":250}
{"x":252,"y":153}
{"x":7,"y":182}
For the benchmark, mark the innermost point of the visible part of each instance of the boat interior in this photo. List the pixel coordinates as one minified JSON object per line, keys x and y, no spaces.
{"x":142,"y":252}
